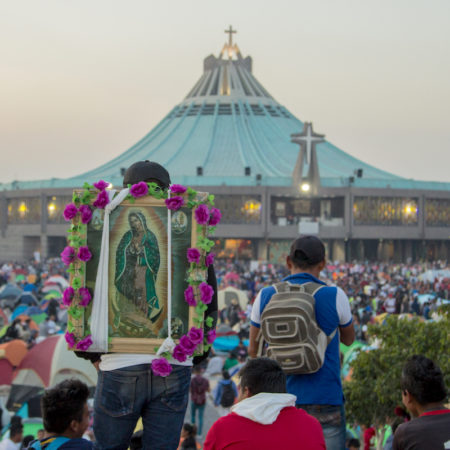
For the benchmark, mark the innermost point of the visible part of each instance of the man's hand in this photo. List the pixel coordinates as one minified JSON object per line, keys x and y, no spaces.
{"x":96,"y":364}
{"x":347,"y":334}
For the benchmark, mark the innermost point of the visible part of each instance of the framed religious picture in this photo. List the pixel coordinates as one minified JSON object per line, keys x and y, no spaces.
{"x":138,"y":260}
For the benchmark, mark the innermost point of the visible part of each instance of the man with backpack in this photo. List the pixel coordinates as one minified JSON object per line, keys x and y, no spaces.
{"x":199,"y":387}
{"x":225,"y":394}
{"x":299,"y":323}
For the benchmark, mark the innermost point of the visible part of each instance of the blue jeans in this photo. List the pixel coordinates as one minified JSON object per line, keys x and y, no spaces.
{"x":332,"y":420}
{"x":124,"y":395}
{"x":200,"y":409}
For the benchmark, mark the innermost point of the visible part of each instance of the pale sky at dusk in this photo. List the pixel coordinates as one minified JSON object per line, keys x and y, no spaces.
{"x":82,"y":81}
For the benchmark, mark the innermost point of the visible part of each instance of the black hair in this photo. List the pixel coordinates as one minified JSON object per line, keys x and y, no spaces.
{"x":226,"y":374}
{"x":15,"y":429}
{"x":189,"y":441}
{"x":263,"y":375}
{"x":26,"y":440}
{"x":423,"y":379}
{"x":353,"y":442}
{"x":62,"y":404}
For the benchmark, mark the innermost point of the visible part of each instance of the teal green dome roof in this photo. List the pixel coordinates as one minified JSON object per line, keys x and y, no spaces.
{"x":232,"y":130}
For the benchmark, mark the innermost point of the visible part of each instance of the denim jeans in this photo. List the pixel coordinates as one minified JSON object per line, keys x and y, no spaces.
{"x":332,"y":420}
{"x":200,"y":409}
{"x":124,"y":395}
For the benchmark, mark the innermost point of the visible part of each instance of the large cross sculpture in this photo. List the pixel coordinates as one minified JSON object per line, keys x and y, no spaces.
{"x":230,"y":32}
{"x":308,"y":138}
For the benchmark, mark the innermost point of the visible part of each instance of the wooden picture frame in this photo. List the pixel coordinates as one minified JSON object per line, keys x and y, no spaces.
{"x":138,"y":273}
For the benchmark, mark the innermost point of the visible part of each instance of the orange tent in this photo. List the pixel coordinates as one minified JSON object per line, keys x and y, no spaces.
{"x":13,"y":351}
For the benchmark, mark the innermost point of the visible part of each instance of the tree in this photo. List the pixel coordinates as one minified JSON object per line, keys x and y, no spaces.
{"x":374,"y":389}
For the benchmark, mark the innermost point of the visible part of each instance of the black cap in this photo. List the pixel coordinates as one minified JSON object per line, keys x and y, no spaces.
{"x":307,"y":250}
{"x":145,"y":170}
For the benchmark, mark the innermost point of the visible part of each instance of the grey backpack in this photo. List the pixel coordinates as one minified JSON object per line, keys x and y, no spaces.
{"x":289,"y":331}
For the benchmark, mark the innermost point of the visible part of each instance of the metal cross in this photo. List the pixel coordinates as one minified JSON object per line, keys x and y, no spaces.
{"x":308,"y":137}
{"x":230,"y":32}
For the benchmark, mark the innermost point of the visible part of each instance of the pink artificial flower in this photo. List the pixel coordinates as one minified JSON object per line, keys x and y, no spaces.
{"x":190,"y":297}
{"x":209,"y":259}
{"x":101,"y":185}
{"x":201,"y":214}
{"x":177,"y":189}
{"x":215,"y":217}
{"x":206,"y":293}
{"x":211,"y":336}
{"x":70,"y":211}
{"x":193,"y":255}
{"x":85,"y":296}
{"x":161,"y":367}
{"x":102,"y":200}
{"x":187,"y":345}
{"x":84,"y":254}
{"x":68,"y":295}
{"x":139,"y":190}
{"x":70,"y":339}
{"x":68,"y":255}
{"x":85,"y":343}
{"x":179,"y":353}
{"x":174,"y":203}
{"x":195,"y":335}
{"x":86,"y":213}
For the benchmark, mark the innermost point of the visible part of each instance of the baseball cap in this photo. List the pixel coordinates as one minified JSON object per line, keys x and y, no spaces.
{"x":307,"y":250}
{"x":144,"y":170}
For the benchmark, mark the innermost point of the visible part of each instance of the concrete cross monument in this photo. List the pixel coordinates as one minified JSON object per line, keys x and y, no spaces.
{"x":307,"y":158}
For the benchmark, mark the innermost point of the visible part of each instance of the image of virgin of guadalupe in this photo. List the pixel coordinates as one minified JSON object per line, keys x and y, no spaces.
{"x":137,"y":265}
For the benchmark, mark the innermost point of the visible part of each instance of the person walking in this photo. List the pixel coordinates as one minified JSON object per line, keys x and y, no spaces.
{"x":198,"y":389}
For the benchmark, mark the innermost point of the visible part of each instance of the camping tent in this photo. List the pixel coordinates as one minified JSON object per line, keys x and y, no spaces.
{"x":45,"y":365}
{"x":226,"y":295}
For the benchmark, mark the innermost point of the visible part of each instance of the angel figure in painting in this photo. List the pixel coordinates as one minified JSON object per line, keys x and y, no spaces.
{"x":137,"y":265}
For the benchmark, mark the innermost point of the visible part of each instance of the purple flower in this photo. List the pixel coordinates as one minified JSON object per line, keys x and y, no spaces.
{"x":195,"y":335}
{"x":209,"y":259}
{"x":139,"y":189}
{"x":68,"y":296}
{"x":206,"y":293}
{"x":85,"y":296}
{"x":177,"y":189}
{"x":101,"y":185}
{"x":174,"y":203}
{"x":215,"y":217}
{"x":161,"y":367}
{"x":211,"y":336}
{"x":84,"y":254}
{"x":187,"y":345}
{"x":190,"y":297}
{"x":70,"y":339}
{"x":179,"y":354}
{"x":193,"y":255}
{"x":86,"y":213}
{"x":102,"y":200}
{"x":68,"y":255}
{"x":85,"y":343}
{"x":70,"y":211}
{"x":202,"y":214}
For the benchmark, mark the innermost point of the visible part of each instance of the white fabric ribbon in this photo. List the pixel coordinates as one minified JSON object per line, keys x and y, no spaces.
{"x":99,"y":316}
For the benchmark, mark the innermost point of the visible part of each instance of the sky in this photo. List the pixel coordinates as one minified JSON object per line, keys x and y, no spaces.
{"x":82,"y":81}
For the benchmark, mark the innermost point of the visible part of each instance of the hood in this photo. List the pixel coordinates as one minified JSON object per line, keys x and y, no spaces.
{"x":263,"y":407}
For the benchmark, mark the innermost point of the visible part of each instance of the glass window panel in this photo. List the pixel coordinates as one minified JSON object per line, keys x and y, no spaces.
{"x":437,"y":212}
{"x":239,"y":209}
{"x":24,"y":210}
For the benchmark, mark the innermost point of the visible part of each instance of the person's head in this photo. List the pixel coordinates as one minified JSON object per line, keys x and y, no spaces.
{"x":26,"y":440}
{"x":16,"y":433}
{"x":307,"y":254}
{"x":135,"y":222}
{"x":225,"y":375}
{"x":353,"y":444}
{"x":261,"y":375}
{"x":422,"y":384}
{"x":188,"y":430}
{"x":65,"y":410}
{"x":40,"y":434}
{"x":147,"y":171}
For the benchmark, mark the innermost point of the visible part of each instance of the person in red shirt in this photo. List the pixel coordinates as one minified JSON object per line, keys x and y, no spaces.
{"x":265,"y":416}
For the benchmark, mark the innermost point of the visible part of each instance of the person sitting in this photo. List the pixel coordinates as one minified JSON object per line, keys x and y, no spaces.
{"x":265,"y":416}
{"x":65,"y":415}
{"x":423,"y":394}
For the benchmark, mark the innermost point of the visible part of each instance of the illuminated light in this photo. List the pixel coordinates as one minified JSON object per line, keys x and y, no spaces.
{"x":305,"y":187}
{"x":51,"y":208}
{"x":110,"y":186}
{"x":22,"y":207}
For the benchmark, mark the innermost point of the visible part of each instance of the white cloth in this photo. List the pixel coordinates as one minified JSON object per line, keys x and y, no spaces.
{"x":114,"y":361}
{"x":99,"y":320}
{"x":263,"y":407}
{"x":8,"y":444}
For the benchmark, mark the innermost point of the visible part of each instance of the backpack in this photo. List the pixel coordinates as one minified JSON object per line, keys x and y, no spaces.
{"x":290,"y":330}
{"x":198,"y":391}
{"x":53,"y":445}
{"x":228,"y":396}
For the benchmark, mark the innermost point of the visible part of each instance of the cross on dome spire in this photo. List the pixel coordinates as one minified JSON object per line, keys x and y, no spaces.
{"x":230,"y":32}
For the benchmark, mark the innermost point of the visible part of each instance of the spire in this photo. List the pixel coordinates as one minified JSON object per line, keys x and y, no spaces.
{"x":230,"y":32}
{"x":230,"y":48}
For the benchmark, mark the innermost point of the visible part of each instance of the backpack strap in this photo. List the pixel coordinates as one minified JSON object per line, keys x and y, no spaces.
{"x":56,"y":443}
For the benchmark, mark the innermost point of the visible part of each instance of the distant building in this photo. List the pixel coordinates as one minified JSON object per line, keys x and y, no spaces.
{"x":272,"y":175}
